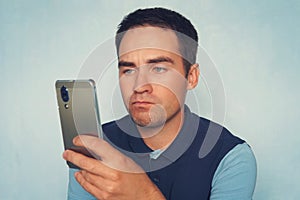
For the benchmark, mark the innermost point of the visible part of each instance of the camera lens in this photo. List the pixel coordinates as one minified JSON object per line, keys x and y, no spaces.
{"x":64,"y":94}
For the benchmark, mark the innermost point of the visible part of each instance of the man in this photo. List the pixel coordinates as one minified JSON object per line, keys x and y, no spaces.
{"x":154,"y":152}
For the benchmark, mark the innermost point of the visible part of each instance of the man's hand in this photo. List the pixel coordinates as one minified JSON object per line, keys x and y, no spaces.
{"x":114,"y":177}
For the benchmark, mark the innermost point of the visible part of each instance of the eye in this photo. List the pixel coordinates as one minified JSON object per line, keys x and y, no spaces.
{"x":128,"y":71}
{"x":159,"y":69}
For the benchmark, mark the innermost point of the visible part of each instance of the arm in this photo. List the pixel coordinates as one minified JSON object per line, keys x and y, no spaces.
{"x":115,"y":176}
{"x":235,"y":176}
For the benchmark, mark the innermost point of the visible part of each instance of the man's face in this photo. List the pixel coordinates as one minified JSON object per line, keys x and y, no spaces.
{"x":152,"y":76}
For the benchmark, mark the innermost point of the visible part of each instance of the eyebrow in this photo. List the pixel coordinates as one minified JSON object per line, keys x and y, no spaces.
{"x":125,"y":64}
{"x":160,"y":59}
{"x":150,"y":61}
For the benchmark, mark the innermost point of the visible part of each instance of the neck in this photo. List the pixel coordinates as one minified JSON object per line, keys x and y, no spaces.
{"x":162,"y":136}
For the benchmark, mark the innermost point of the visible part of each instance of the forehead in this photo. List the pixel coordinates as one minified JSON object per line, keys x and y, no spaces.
{"x":148,"y":37}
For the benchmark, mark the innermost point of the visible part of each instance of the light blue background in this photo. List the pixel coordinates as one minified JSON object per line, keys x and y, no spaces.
{"x":255,"y":45}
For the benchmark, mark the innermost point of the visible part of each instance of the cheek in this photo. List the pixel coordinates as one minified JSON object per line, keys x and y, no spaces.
{"x":172,"y":80}
{"x":170,"y":96}
{"x":126,"y":90}
{"x":173,"y":90}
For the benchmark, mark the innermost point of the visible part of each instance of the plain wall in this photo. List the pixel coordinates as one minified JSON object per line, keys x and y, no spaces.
{"x":254,"y":45}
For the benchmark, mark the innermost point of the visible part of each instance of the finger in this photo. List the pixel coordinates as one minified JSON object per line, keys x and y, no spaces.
{"x":109,"y":155}
{"x":98,"y":146}
{"x":107,"y":185}
{"x":92,"y":165}
{"x":92,"y":189}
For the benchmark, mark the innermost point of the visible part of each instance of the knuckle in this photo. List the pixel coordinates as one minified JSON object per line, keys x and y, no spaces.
{"x":83,"y":163}
{"x":88,"y":164}
{"x":115,"y":176}
{"x":86,"y":177}
{"x":110,"y":189}
{"x":106,"y":195}
{"x":91,"y":167}
{"x":83,"y":183}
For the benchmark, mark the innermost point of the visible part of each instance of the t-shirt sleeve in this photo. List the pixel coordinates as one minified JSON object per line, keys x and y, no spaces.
{"x":235,"y":176}
{"x":75,"y":191}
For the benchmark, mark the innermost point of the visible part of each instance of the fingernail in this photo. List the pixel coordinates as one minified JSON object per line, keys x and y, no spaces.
{"x":65,"y":154}
{"x":77,"y":174}
{"x":75,"y":140}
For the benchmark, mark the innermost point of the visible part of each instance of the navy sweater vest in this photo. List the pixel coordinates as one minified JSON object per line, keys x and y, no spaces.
{"x":181,"y":172}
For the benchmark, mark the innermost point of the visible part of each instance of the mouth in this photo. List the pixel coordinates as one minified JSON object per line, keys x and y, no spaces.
{"x":142,"y":103}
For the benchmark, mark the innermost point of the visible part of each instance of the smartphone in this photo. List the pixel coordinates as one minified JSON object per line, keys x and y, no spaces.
{"x":78,"y":111}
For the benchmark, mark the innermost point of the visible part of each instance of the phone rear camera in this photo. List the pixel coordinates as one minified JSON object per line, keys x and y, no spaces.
{"x":64,"y":94}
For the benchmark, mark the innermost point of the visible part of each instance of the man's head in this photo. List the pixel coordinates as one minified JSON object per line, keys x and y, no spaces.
{"x":153,"y":75}
{"x":160,"y":17}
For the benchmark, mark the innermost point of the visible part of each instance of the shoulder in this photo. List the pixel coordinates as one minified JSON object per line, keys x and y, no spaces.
{"x":218,"y":130}
{"x":240,"y":156}
{"x":235,"y":176}
{"x":217,"y":139}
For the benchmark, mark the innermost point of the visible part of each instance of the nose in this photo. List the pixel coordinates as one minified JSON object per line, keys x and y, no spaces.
{"x":142,"y":84}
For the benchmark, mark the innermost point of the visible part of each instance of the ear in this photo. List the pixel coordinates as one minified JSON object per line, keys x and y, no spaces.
{"x":193,"y":76}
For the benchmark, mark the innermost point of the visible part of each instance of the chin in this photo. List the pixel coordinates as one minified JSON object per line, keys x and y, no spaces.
{"x":147,"y":122}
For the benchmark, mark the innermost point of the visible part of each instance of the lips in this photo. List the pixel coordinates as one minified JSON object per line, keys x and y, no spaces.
{"x":141,"y":103}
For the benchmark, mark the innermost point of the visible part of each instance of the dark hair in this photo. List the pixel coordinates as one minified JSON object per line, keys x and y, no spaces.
{"x":164,"y":18}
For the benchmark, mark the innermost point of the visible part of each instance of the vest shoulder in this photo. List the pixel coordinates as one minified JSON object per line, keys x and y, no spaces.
{"x":219,"y":131}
